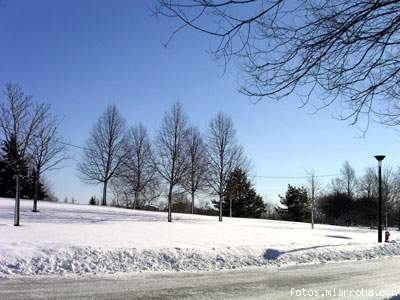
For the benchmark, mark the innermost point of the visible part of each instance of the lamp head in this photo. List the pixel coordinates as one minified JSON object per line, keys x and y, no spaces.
{"x":379,"y":158}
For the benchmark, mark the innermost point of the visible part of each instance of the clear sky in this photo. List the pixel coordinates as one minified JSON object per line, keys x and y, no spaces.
{"x":81,"y":55}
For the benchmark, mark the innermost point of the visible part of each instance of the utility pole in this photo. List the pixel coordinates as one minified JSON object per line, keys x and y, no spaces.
{"x":312,"y":199}
{"x":313,"y":186}
{"x":380,"y":158}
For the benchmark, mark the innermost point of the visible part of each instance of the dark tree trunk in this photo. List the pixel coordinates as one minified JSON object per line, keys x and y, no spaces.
{"x":192,"y":202}
{"x":135,"y":200}
{"x":104,"y":200}
{"x":170,"y":204}
{"x":36,"y":192}
{"x":17,"y":200}
{"x":221,"y":198}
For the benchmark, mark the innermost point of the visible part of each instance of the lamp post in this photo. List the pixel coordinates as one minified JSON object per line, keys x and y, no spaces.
{"x":380,"y":158}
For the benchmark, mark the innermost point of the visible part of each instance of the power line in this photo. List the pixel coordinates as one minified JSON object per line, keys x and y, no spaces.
{"x":301,"y":177}
{"x":74,"y":146}
{"x":59,"y":141}
{"x":294,"y":177}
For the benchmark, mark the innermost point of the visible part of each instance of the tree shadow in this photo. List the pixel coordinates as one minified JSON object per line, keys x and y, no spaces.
{"x":81,"y":216}
{"x":76,"y":215}
{"x":273,"y":254}
{"x":339,"y":237}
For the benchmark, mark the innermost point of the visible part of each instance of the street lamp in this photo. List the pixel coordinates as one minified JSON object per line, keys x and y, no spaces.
{"x":380,"y":158}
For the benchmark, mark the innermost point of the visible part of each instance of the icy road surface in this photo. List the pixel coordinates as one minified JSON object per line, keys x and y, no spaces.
{"x":379,"y":276}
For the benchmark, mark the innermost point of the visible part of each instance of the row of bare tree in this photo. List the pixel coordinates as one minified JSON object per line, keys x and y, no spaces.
{"x":178,"y":157}
{"x":32,"y":131}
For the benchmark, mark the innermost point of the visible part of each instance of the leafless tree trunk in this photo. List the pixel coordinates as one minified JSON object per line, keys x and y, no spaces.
{"x":170,"y":160}
{"x":20,"y":118}
{"x":47,"y":151}
{"x":224,"y":155}
{"x":105,"y":150}
{"x":138,"y":172}
{"x":196,"y":153}
{"x":343,"y":51}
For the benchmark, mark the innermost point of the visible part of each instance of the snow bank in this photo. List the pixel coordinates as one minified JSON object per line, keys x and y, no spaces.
{"x":75,"y":239}
{"x":90,"y":260}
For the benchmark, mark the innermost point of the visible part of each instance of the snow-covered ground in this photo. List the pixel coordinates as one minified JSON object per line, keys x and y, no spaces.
{"x":66,"y":239}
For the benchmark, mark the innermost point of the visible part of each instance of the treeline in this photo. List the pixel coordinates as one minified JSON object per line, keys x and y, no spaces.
{"x":179,"y":162}
{"x":347,"y":200}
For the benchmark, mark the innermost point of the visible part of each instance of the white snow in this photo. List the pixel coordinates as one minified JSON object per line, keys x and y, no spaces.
{"x":79,"y":239}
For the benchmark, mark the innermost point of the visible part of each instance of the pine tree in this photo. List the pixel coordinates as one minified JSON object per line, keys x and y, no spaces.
{"x":8,"y":159}
{"x":92,"y":201}
{"x":240,"y":198}
{"x":295,"y":204}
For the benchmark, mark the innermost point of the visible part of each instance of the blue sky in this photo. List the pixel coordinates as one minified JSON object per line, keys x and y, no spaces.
{"x":82,"y":55}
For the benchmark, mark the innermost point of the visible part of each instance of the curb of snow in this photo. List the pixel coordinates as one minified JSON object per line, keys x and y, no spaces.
{"x":77,"y":260}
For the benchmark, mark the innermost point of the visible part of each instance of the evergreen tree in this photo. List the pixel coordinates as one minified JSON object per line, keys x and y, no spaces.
{"x":295,"y":204}
{"x":240,"y":198}
{"x":92,"y":201}
{"x":8,"y":160}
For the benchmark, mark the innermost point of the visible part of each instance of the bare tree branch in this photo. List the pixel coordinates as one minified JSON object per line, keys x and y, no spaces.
{"x":344,"y":52}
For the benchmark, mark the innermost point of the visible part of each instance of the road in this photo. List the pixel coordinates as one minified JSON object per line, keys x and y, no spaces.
{"x":271,"y":283}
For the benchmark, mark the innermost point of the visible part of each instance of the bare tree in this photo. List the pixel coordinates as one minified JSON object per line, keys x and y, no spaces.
{"x":105,"y":150}
{"x":224,"y":155}
{"x":367,"y":185}
{"x":343,"y":51}
{"x":390,"y":188}
{"x":170,"y":160}
{"x":346,"y":182}
{"x":348,"y":178}
{"x":120,"y":194}
{"x":139,"y":175}
{"x":20,"y":119}
{"x":196,"y":152}
{"x":47,"y":151}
